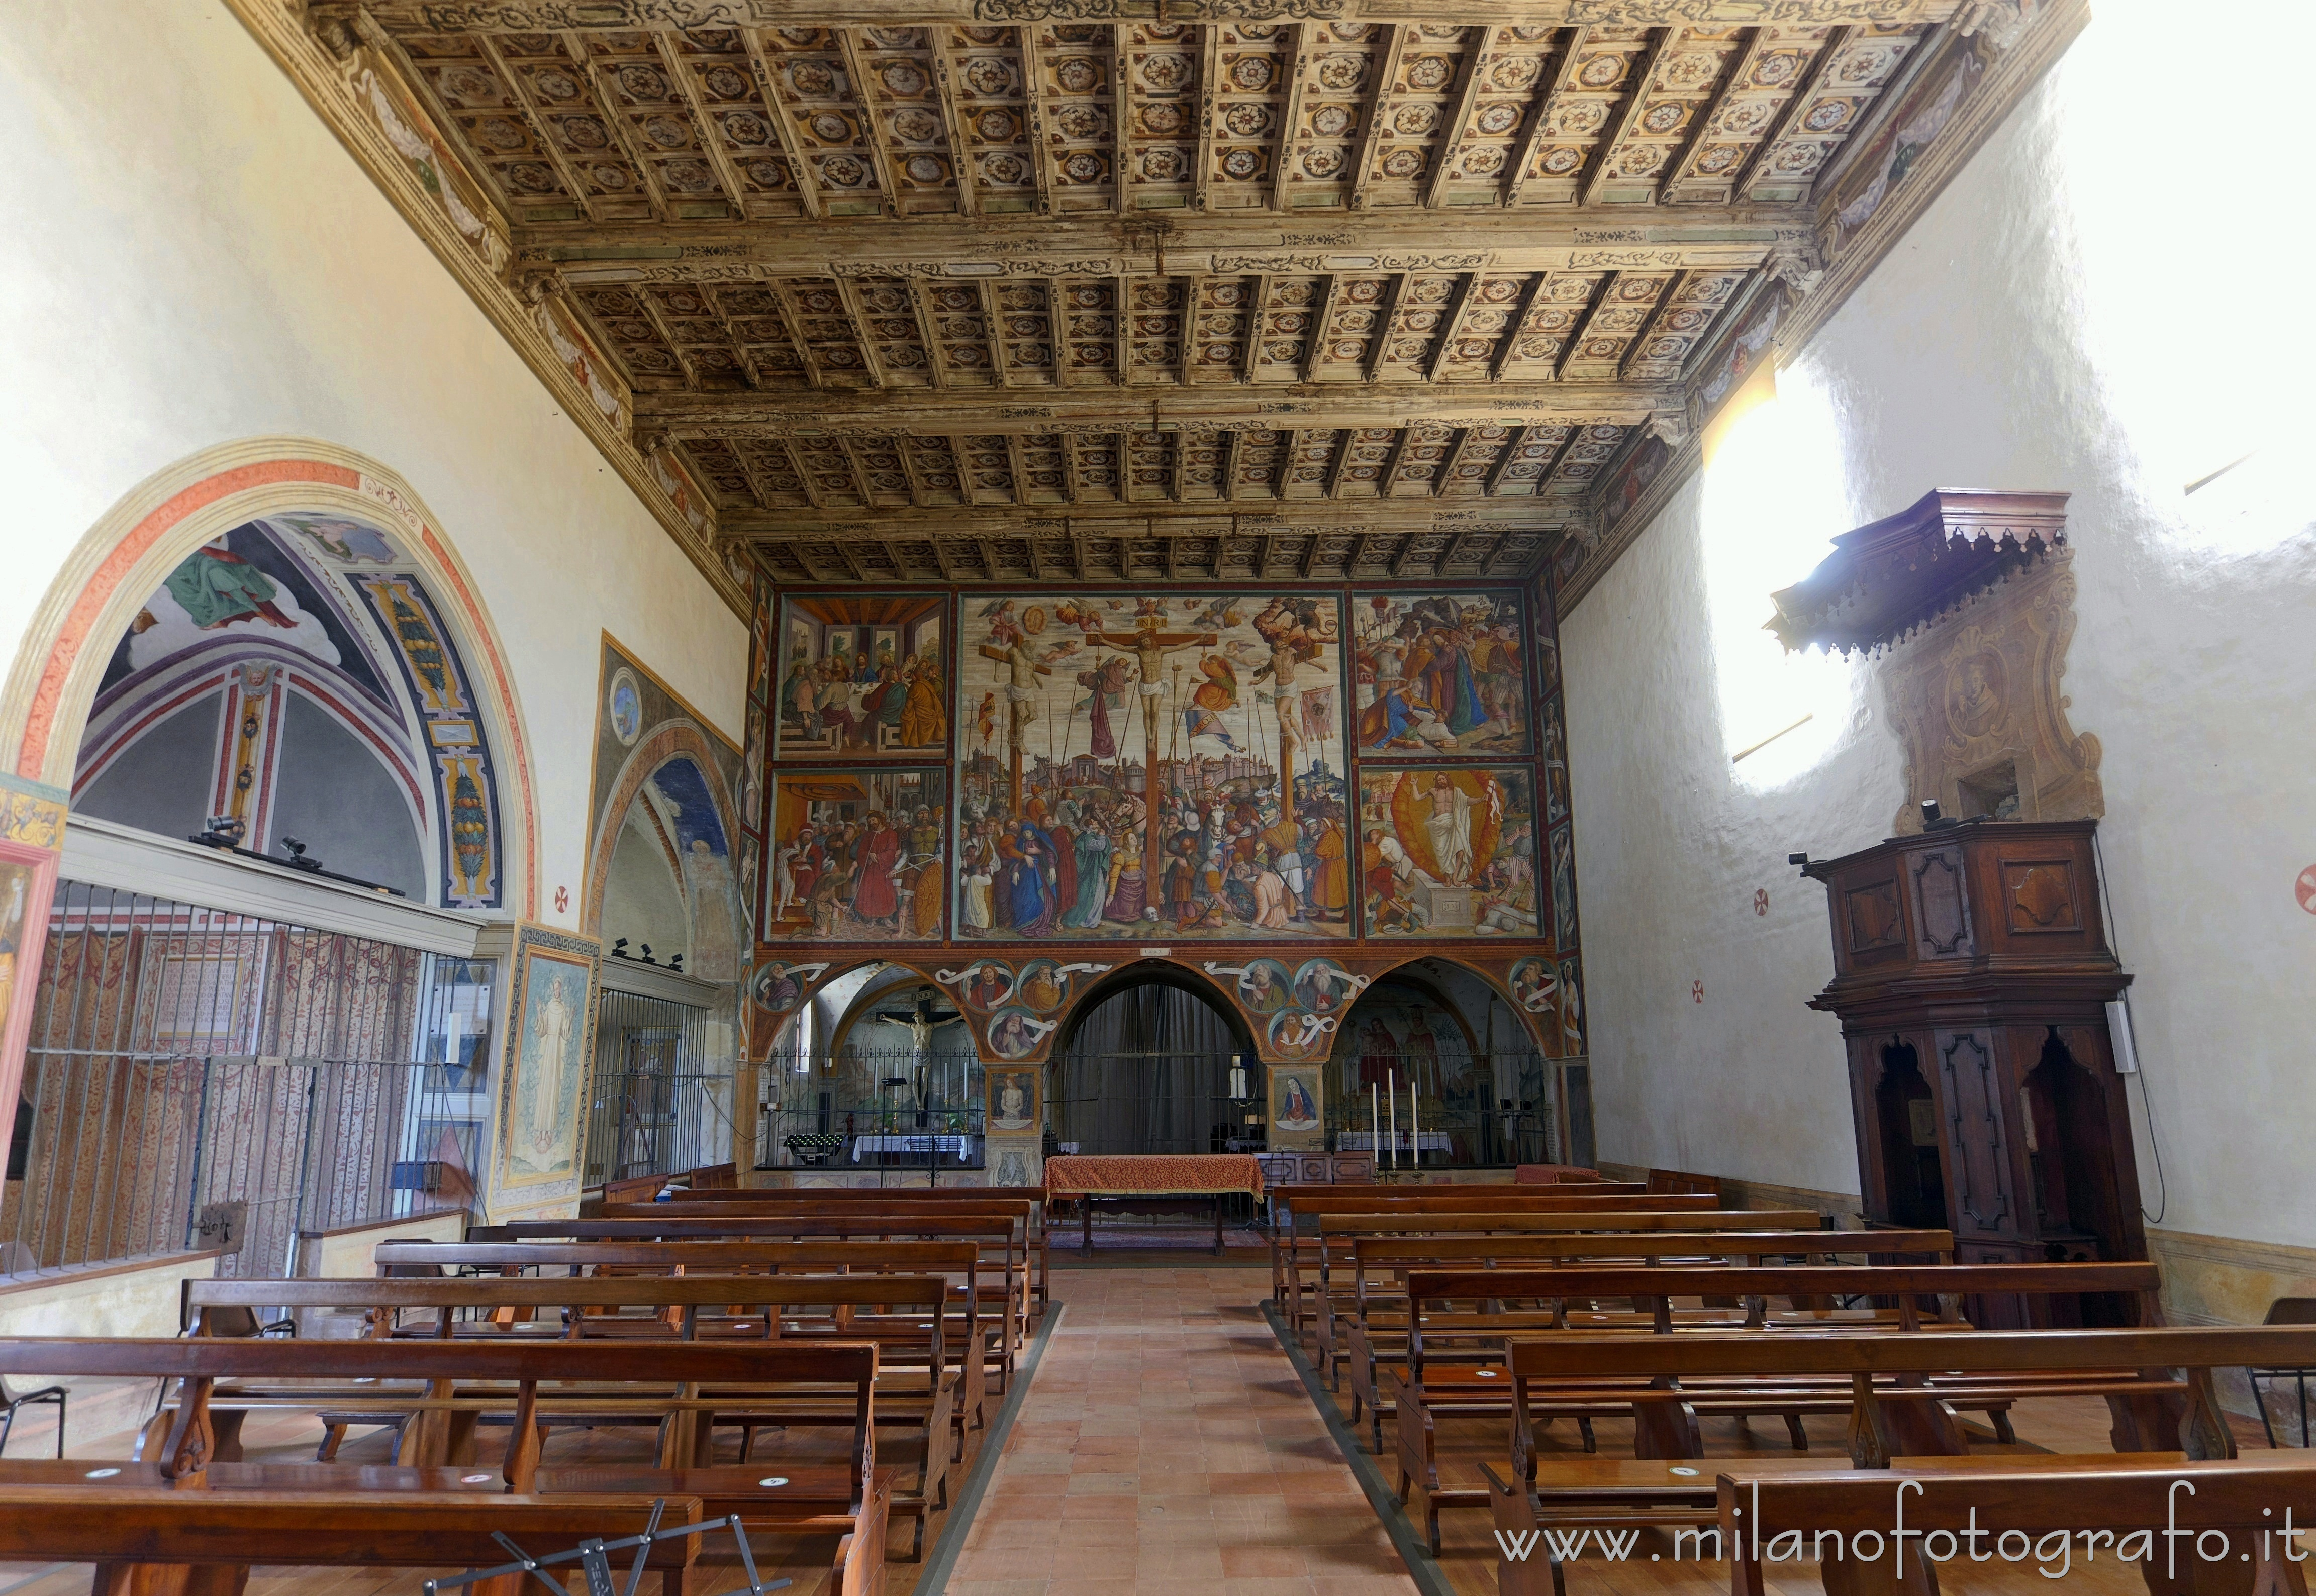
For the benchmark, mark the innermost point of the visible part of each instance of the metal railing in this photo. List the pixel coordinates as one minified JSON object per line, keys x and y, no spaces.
{"x":197,"y":1077}
{"x":663,"y":1089}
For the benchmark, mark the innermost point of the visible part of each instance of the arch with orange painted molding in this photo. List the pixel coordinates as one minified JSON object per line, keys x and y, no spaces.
{"x":149,"y":532}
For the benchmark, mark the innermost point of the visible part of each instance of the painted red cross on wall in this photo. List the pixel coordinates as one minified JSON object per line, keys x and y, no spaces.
{"x":2304,"y":890}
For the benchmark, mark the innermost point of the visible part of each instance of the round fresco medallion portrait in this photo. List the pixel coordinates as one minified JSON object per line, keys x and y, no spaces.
{"x":623,"y":707}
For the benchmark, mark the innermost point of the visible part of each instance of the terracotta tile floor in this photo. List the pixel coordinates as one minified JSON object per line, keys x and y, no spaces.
{"x":1166,"y":1444}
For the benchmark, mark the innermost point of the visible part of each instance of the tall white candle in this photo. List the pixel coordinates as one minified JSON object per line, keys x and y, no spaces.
{"x":1414,"y":1131}
{"x":1375,"y":1120}
{"x":1391,"y":1095}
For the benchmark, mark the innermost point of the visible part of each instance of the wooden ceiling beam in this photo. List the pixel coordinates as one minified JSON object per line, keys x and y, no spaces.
{"x":1316,"y":351}
{"x":711,"y":136}
{"x":880,"y":158}
{"x":1474,"y":64}
{"x":1642,"y":77}
{"x":1018,"y":469}
{"x":666,"y":336}
{"x":1385,"y":478}
{"x":1553,"y":84}
{"x":1468,"y":295}
{"x":960,"y":149}
{"x":1033,"y":110}
{"x":493,"y":16}
{"x":715,"y":303}
{"x":1446,"y":556}
{"x":1462,"y":441}
{"x":1121,"y":113}
{"x":1583,"y":321}
{"x":862,"y":333}
{"x":615,"y":121}
{"x":1503,"y":462}
{"x":860,"y":485}
{"x":1657,"y":313}
{"x":1406,"y":553}
{"x":1193,"y":290}
{"x":566,"y":173}
{"x":1516,"y":327}
{"x":1358,"y":553}
{"x":1343,"y":442}
{"x":1518,"y":402}
{"x":1378,"y":105}
{"x":804,"y":478}
{"x":963,"y":455}
{"x":992,"y":326}
{"x":1836,"y":42}
{"x":1298,"y":72}
{"x":1121,"y":328}
{"x":768,"y":90}
{"x":1733,"y":71}
{"x":1227,"y":447}
{"x":1250,"y":356}
{"x":1092,"y":244}
{"x":1202,"y":175}
{"x":793,"y":315}
{"x":936,"y":351}
{"x":1386,"y":315}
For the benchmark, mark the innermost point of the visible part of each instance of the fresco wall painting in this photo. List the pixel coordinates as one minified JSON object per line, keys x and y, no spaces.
{"x":857,"y":855}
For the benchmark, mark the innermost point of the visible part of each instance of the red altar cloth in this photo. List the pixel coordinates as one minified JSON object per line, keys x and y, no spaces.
{"x":1157,"y":1174}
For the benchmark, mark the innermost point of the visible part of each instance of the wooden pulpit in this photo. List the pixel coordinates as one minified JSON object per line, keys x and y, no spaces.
{"x":1972,"y":972}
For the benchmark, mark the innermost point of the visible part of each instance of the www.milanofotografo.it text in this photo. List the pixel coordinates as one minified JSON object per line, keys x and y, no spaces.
{"x":2054,"y":1552}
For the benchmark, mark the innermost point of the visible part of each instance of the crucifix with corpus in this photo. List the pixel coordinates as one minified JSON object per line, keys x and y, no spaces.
{"x":1150,"y":642}
{"x":920,"y":1023}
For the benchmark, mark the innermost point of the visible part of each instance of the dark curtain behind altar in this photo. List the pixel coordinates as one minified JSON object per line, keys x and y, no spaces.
{"x":1147,"y":1071}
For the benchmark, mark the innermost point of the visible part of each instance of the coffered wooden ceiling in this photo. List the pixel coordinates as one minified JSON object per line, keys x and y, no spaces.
{"x":1024,"y":288}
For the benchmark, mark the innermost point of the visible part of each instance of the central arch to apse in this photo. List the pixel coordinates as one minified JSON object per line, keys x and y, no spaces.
{"x":1142,"y":1064}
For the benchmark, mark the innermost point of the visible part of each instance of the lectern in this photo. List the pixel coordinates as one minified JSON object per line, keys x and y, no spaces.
{"x":1972,"y":972}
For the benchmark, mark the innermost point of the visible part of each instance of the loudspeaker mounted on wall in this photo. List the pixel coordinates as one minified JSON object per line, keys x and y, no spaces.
{"x":2118,"y":1030}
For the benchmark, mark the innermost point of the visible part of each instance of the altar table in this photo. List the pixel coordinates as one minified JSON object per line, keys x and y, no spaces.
{"x":1158,"y":1177}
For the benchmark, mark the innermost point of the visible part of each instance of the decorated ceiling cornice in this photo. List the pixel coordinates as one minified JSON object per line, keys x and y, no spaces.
{"x":1013,"y":289}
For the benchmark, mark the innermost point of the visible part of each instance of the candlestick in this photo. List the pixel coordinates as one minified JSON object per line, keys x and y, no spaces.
{"x":1414,"y":1131}
{"x":1374,"y":1124}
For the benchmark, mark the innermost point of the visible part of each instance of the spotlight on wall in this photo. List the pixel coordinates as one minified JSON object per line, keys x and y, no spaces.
{"x":1932,"y":820}
{"x":298,"y":861}
{"x":221,"y":831}
{"x":1797,"y":859}
{"x":620,"y":948}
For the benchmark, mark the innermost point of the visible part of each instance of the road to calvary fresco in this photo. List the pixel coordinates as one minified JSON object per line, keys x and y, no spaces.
{"x":1136,"y":766}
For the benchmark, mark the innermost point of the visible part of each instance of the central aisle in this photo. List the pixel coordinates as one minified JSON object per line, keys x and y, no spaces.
{"x":1166,"y":1444}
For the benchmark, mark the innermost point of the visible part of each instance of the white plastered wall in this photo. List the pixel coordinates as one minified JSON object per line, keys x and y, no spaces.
{"x":1968,"y":360}
{"x":194,"y":260}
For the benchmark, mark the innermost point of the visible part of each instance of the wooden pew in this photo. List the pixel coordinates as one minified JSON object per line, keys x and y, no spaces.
{"x":1421,"y":1391}
{"x":1293,"y":1254}
{"x":1338,"y":1230}
{"x":995,"y":1230}
{"x":1289,"y":1204}
{"x":1902,"y":1393}
{"x":900,"y":1201}
{"x":1375,"y":1329}
{"x":731,"y":1205}
{"x":741,"y":1258}
{"x":2243,"y":1500}
{"x":922,"y":1367}
{"x":895,"y":1200}
{"x":451,"y":1383}
{"x":147,"y":1537}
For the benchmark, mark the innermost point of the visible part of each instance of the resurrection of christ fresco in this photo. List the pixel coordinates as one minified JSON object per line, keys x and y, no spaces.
{"x":856,"y":856}
{"x":1448,"y":852}
{"x":1139,"y":766}
{"x":863,"y":676}
{"x":1439,"y":675}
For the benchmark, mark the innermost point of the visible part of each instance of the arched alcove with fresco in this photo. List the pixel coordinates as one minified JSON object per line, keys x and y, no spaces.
{"x":294,"y":685}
